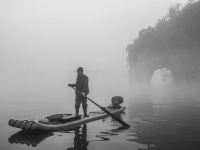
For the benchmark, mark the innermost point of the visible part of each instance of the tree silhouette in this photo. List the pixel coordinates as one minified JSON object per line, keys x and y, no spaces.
{"x":174,"y":42}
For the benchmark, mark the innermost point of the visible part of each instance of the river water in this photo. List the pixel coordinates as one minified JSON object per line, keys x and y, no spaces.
{"x":169,"y":121}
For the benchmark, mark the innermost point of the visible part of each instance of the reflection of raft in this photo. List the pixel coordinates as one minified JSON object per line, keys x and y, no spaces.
{"x":29,"y":137}
{"x":60,"y":121}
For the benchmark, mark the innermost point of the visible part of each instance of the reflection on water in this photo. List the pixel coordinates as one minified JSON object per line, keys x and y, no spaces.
{"x":30,"y":138}
{"x":33,"y":138}
{"x":166,"y":121}
{"x":80,"y":139}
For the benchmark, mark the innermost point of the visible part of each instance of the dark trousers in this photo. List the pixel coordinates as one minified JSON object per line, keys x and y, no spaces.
{"x":81,"y":99}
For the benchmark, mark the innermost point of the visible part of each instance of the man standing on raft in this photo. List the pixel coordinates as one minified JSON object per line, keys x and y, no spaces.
{"x":82,"y":86}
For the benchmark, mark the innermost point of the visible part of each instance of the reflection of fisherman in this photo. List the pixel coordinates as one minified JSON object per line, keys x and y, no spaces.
{"x":80,"y":139}
{"x":82,"y":86}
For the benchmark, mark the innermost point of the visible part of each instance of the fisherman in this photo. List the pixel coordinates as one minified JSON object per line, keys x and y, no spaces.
{"x":82,"y":86}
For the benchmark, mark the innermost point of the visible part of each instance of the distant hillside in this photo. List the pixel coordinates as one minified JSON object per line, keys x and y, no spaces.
{"x":174,"y":43}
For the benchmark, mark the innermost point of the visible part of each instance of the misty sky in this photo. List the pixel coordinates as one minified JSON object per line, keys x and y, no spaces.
{"x":43,"y":41}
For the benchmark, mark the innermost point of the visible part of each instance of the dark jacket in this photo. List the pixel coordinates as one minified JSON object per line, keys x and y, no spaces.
{"x":81,"y":84}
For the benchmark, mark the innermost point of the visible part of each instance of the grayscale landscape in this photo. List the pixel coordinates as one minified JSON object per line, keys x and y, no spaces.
{"x":148,"y":52}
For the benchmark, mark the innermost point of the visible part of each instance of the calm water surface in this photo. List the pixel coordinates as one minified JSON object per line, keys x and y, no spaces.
{"x":158,"y":122}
